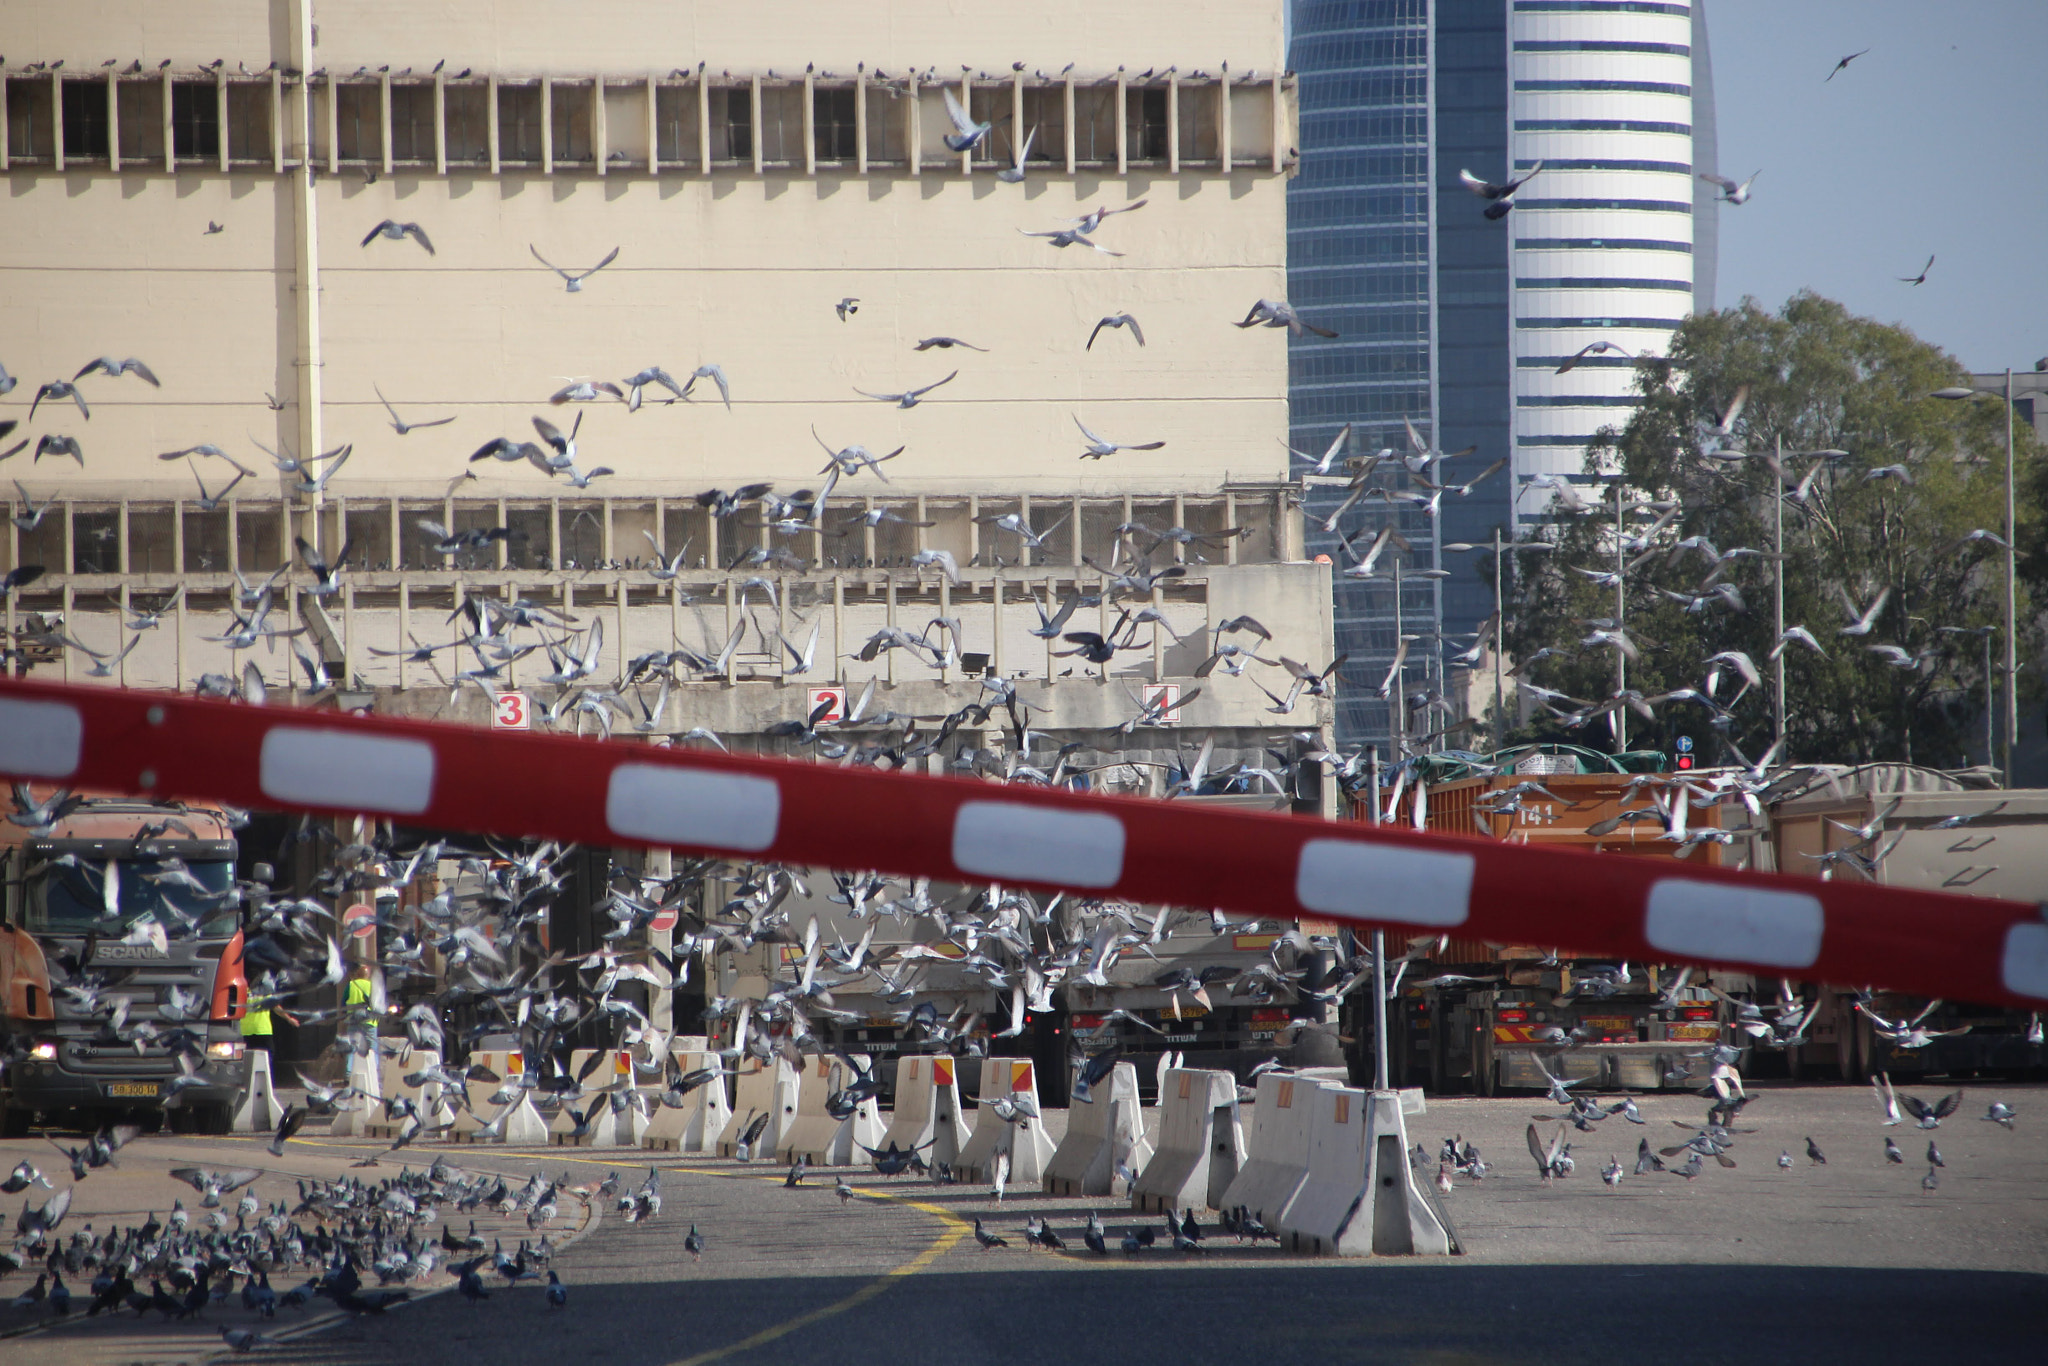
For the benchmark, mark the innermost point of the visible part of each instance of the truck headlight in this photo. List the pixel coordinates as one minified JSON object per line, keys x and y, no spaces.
{"x":225,"y":1052}
{"x":45,"y":1050}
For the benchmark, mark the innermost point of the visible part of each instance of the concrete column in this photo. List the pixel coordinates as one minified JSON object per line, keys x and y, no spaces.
{"x":860,"y":121}
{"x":810,"y":124}
{"x":1123,"y":144}
{"x":1173,"y":123}
{"x":547,"y":126}
{"x":1223,"y":121}
{"x":915,"y":133}
{"x":220,"y":105}
{"x":703,"y":123}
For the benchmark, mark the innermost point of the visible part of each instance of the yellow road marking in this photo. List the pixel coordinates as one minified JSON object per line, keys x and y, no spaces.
{"x":954,"y":1230}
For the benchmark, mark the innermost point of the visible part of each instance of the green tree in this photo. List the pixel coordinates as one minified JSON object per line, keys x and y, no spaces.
{"x":1890,"y":513}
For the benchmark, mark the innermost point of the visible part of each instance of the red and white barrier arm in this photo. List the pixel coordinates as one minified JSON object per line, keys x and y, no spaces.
{"x":1253,"y":864}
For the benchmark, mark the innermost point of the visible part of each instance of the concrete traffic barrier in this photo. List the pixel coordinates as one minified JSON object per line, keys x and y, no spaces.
{"x":1276,"y":1153}
{"x":610,"y":1126}
{"x":1023,"y":1139}
{"x":1106,"y":1129}
{"x":815,"y":1134}
{"x":500,"y":1111}
{"x":928,"y":1110}
{"x":392,"y":1070}
{"x":694,"y":1126}
{"x":1399,"y":1217}
{"x":1199,"y":1148}
{"x":257,"y":1110}
{"x":364,"y":1075}
{"x":1328,"y":1198}
{"x":769,"y":1089}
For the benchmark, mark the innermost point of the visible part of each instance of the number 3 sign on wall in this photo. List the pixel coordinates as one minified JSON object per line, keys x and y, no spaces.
{"x":511,"y":712}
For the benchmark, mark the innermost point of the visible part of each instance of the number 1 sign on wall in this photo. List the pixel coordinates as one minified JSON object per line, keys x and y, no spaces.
{"x":510,"y":712}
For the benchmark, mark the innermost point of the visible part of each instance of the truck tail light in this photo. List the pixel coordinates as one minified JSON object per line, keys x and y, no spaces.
{"x":225,"y":1052}
{"x":1513,"y":1016}
{"x":1698,"y":1012}
{"x":45,"y":1050}
{"x":230,"y":983}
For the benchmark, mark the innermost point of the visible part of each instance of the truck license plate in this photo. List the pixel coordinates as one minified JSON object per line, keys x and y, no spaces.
{"x":132,"y":1088}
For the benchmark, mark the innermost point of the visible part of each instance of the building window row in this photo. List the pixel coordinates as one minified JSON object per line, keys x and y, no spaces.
{"x":642,"y":123}
{"x":1600,"y":282}
{"x":1641,"y":205}
{"x":1584,"y":164}
{"x":1601,"y":126}
{"x":1595,"y":45}
{"x":1578,"y":401}
{"x":1602,"y":88}
{"x":1602,"y":7}
{"x":169,"y":538}
{"x":1658,"y":324}
{"x":1600,"y":244}
{"x":117,"y":120}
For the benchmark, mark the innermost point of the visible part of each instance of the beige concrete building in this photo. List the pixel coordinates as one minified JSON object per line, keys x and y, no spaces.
{"x":193,"y":187}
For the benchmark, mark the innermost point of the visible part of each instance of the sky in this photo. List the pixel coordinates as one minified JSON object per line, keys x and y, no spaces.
{"x":1933,"y":143}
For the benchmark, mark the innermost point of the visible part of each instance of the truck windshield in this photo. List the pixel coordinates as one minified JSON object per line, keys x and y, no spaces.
{"x":73,"y":900}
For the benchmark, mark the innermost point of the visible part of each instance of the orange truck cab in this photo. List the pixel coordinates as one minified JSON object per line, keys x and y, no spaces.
{"x":120,"y":953}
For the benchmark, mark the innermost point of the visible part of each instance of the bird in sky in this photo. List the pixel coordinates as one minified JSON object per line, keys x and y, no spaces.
{"x":1731,"y":193}
{"x":1843,"y":65}
{"x":1921,"y":278}
{"x":1501,"y":194}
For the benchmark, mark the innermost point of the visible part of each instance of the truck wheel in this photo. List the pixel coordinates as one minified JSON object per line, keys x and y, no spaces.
{"x":213,"y":1119}
{"x":14,"y":1121}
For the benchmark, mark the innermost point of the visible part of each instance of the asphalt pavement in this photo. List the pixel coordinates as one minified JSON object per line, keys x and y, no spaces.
{"x":1851,"y":1260}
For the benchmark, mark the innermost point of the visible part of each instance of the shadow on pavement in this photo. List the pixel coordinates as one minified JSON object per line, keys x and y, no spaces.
{"x":1161,"y":1309}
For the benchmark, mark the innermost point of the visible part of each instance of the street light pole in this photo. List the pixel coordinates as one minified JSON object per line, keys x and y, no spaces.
{"x":2012,"y":662}
{"x":1778,"y":630}
{"x":2012,"y":646}
{"x":1500,"y":616}
{"x":1620,"y":714}
{"x":1399,"y":717}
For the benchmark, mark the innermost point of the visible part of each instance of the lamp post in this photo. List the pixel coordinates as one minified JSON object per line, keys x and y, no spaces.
{"x":2011,"y":708}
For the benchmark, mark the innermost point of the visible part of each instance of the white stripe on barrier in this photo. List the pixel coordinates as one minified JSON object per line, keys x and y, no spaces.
{"x":1012,"y":840}
{"x":1413,"y":886}
{"x":40,"y":739}
{"x":679,"y":806}
{"x":2024,"y":968}
{"x":1747,"y":924}
{"x":337,"y":768}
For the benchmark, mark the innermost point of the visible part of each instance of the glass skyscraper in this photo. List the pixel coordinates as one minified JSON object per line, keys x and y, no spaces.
{"x":1456,"y":322}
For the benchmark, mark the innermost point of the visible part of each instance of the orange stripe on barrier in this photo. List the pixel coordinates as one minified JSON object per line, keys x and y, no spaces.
{"x":1158,"y":852}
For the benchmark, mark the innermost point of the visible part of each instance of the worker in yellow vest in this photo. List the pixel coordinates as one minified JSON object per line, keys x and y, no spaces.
{"x":360,"y":1002}
{"x":259,"y":1030}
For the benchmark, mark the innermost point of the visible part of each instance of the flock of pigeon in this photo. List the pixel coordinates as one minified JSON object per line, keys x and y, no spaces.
{"x":1715,"y":1138}
{"x":336,"y":1234}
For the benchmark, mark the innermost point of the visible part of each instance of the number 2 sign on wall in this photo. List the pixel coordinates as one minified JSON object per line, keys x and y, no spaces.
{"x":511,"y":712}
